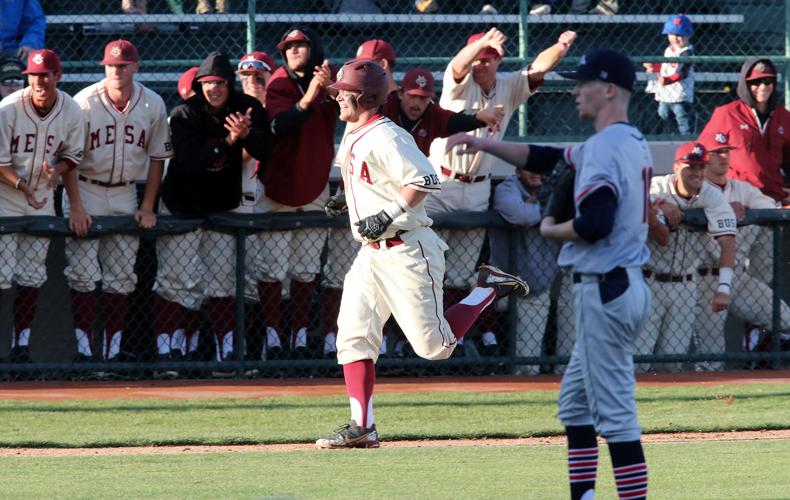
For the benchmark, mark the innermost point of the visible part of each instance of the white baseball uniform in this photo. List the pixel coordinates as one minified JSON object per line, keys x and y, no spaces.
{"x":402,"y":273}
{"x":29,"y":140}
{"x":118,"y":146}
{"x":466,"y":183}
{"x":671,"y":269}
{"x":750,"y":298}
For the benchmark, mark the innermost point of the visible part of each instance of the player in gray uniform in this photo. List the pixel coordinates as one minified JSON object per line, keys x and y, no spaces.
{"x":605,"y":249}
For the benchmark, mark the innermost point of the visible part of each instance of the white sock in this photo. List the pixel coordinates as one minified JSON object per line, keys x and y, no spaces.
{"x":163,"y":343}
{"x":489,"y":338}
{"x":478,"y":296}
{"x":272,"y":338}
{"x":399,"y":347}
{"x":193,"y":341}
{"x":24,"y":337}
{"x":300,"y":339}
{"x":115,"y":344}
{"x":227,"y":344}
{"x":83,"y":342}
{"x":330,"y":343}
{"x":178,"y":341}
{"x":383,"y":346}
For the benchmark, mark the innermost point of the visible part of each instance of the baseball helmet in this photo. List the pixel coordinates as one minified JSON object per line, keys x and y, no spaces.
{"x":367,"y":77}
{"x":678,"y":24}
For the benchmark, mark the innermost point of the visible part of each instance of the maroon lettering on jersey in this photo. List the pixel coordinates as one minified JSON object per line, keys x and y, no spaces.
{"x":95,"y":139}
{"x":15,"y":145}
{"x":351,"y":158}
{"x":364,"y":174}
{"x":128,"y":133}
{"x":50,"y":138}
{"x":141,"y":141}
{"x":109,"y":134}
{"x":30,"y":140}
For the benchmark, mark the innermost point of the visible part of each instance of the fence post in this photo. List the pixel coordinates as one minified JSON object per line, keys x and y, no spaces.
{"x":251,"y":25}
{"x":523,"y":9}
{"x":776,"y":317}
{"x":238,"y":332}
{"x":512,"y":305}
{"x":787,"y":54}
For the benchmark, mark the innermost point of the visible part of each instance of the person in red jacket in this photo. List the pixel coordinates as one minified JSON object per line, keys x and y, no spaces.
{"x":296,"y":179}
{"x":758,"y":128}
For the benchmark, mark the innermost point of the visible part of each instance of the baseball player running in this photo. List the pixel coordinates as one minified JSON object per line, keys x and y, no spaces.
{"x":605,"y":247}
{"x":127,"y":135}
{"x":43,"y":134}
{"x":675,"y":254}
{"x":400,"y":265}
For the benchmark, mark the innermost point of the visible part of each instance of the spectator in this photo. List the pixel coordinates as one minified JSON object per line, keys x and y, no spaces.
{"x":471,"y":82}
{"x":11,"y":77}
{"x":758,"y":126}
{"x":675,"y":253}
{"x":519,"y":199}
{"x":674,"y":87}
{"x":210,"y":131}
{"x":255,"y":70}
{"x":213,"y":7}
{"x":134,"y":6}
{"x":22,"y":28}
{"x":29,"y":172}
{"x":296,"y":179}
{"x":604,"y":7}
{"x":105,"y":185}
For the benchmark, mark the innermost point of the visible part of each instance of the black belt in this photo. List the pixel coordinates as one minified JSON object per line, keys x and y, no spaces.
{"x":616,"y":273}
{"x":105,"y":184}
{"x":388,"y":243}
{"x":468,"y":179}
{"x":704,"y":271}
{"x":666,"y":277}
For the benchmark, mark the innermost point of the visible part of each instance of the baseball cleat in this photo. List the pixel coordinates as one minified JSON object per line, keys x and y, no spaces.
{"x":504,"y":283}
{"x":350,"y":436}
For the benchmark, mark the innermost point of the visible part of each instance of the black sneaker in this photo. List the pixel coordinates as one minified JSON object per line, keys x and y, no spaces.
{"x":504,"y":283}
{"x":350,"y":436}
{"x":168,"y":374}
{"x":20,"y":354}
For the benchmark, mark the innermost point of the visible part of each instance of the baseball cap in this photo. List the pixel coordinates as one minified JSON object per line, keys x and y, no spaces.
{"x":120,"y":52}
{"x":418,"y":81}
{"x":11,"y":69}
{"x":291,"y":37}
{"x":376,"y":49}
{"x":762,"y":69}
{"x":185,"y":82}
{"x":256,"y":61}
{"x":691,"y":153}
{"x":717,"y":142}
{"x":678,"y":24}
{"x":488,"y":52}
{"x":42,"y":61}
{"x":606,"y":65}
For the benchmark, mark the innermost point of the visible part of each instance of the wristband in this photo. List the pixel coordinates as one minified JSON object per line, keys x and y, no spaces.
{"x":723,"y":288}
{"x":725,"y":276}
{"x":397,"y":207}
{"x":18,"y":182}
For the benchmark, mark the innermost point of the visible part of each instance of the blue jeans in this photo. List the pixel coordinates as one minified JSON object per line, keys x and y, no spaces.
{"x":684,"y":115}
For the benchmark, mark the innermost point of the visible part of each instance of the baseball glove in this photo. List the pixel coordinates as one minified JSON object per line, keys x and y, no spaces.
{"x":560,"y":203}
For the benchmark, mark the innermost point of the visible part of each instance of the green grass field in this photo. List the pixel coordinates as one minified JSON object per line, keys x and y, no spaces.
{"x":753,"y":469}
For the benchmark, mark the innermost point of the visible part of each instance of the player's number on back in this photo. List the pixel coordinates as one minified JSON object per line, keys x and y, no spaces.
{"x":647,"y":174}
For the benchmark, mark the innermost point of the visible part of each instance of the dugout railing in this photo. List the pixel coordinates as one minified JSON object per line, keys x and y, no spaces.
{"x":53,"y":344}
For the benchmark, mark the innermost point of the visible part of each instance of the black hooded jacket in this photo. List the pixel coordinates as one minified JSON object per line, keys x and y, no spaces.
{"x":204,"y":177}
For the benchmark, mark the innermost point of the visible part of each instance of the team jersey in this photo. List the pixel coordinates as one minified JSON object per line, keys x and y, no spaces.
{"x":511,"y":90}
{"x":118,"y":144}
{"x":377,"y":160}
{"x":683,"y":253}
{"x":683,"y":89}
{"x":29,"y":138}
{"x":617,"y":157}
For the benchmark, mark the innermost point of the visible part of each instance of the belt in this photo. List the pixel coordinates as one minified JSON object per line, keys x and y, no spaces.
{"x":469,"y":179}
{"x":617,"y":272}
{"x":388,"y":243}
{"x":666,"y":277}
{"x":704,"y":271}
{"x":105,"y":184}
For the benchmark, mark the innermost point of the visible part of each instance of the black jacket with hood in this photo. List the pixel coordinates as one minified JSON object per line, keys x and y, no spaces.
{"x":204,"y":177}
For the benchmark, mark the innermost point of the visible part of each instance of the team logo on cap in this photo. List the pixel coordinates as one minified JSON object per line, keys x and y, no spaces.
{"x":744,"y":126}
{"x":115,"y":51}
{"x":339,"y":74}
{"x":38,"y":58}
{"x":294,"y":34}
{"x":760,"y":67}
{"x":696,"y":152}
{"x":421,"y":81}
{"x":721,"y":138}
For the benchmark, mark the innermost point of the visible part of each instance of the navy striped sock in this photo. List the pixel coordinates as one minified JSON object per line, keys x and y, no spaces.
{"x":630,"y":470}
{"x":582,"y":460}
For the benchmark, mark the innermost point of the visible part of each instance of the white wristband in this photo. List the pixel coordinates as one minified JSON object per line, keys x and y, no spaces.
{"x":725,"y":276}
{"x":397,"y":207}
{"x":723,"y":288}
{"x":18,"y":182}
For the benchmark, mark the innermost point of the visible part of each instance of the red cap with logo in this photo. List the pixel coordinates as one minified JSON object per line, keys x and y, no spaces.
{"x":720,"y":141}
{"x":488,"y":52}
{"x":418,"y":81}
{"x":185,"y":82}
{"x":255,"y":61}
{"x":763,"y":69}
{"x":376,"y":49}
{"x":691,"y":153}
{"x":120,"y":52}
{"x":292,"y":37}
{"x":43,"y":61}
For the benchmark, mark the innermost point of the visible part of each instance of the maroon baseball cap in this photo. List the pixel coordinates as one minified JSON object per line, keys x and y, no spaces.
{"x":717,"y":142}
{"x":120,"y":52}
{"x":418,"y":81}
{"x":291,"y":37}
{"x":185,"y":82}
{"x":762,"y":69}
{"x":43,"y":61}
{"x":488,"y":52}
{"x":376,"y":49}
{"x":255,"y":61}
{"x":691,"y":153}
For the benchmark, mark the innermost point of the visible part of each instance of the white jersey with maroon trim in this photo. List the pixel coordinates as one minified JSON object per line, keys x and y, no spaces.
{"x":374,"y":173}
{"x":29,"y":138}
{"x":118,"y":143}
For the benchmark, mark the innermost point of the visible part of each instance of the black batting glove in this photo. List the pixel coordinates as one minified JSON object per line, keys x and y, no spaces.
{"x":335,"y":205}
{"x":372,"y":227}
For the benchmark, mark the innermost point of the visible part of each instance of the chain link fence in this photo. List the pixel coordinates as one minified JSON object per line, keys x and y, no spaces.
{"x":173,"y":36}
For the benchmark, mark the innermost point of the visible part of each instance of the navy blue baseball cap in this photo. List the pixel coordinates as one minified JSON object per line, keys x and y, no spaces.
{"x":606,"y":65}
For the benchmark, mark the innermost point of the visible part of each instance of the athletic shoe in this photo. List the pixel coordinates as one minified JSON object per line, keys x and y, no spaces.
{"x":350,"y":436}
{"x":504,"y":283}
{"x":20,"y":354}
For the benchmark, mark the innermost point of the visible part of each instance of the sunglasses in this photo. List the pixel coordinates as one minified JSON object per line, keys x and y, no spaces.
{"x":762,"y":81}
{"x":256,"y":78}
{"x":253,"y":65}
{"x":13,"y":82}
